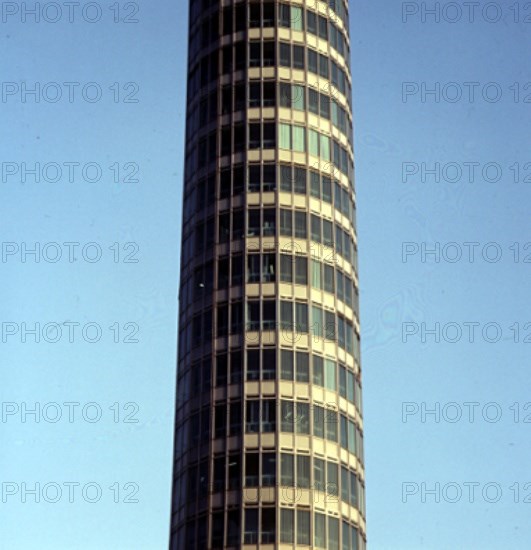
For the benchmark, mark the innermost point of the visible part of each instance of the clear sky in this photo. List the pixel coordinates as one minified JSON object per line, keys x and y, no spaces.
{"x":402,"y":213}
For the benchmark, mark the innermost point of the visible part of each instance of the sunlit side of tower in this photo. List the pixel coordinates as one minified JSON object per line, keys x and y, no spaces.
{"x":268,"y":424}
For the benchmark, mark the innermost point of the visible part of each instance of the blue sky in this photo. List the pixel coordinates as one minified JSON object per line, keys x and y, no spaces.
{"x":117,"y":292}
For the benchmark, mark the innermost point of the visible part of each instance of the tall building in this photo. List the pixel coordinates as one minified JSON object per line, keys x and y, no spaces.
{"x":268,"y":433}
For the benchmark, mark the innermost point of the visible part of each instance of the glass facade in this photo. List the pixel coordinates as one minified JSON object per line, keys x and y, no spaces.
{"x":268,"y":445}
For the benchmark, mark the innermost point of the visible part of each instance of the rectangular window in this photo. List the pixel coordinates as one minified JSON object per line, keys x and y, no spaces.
{"x":297,"y":97}
{"x":299,"y":141}
{"x":269,"y":178}
{"x":330,"y":374}
{"x":252,"y":423}
{"x":287,"y":527}
{"x":285,"y":178}
{"x":269,"y":415}
{"x":253,"y":268}
{"x":286,"y":359}
{"x":253,"y":364}
{"x":301,"y":270}
{"x":269,"y":54}
{"x":327,"y":189}
{"x":320,"y":530}
{"x":315,"y":182}
{"x":323,"y":65}
{"x":251,"y":526}
{"x":319,"y":474}
{"x":254,"y":178}
{"x":285,"y":136}
{"x":251,"y":469}
{"x":286,"y":99}
{"x":332,"y":481}
{"x":312,"y":61}
{"x":300,"y":180}
{"x":331,"y":425}
{"x":316,"y":274}
{"x":325,"y":147}
{"x":268,"y":268}
{"x":286,"y":268}
{"x":298,"y":57}
{"x":287,"y":476}
{"x":318,"y":370}
{"x":343,"y":431}
{"x":313,"y":143}
{"x":342,"y":381}
{"x":268,"y":526}
{"x":286,"y":224}
{"x":253,"y":316}
{"x":301,"y":317}
{"x":302,"y":418}
{"x":303,"y":527}
{"x":333,"y":533}
{"x":311,"y":21}
{"x":315,"y":228}
{"x":255,"y":54}
{"x":297,"y":21}
{"x":328,"y":278}
{"x":285,"y":55}
{"x":300,"y":225}
{"x":345,"y":482}
{"x":318,"y":421}
{"x":323,"y":28}
{"x":269,"y":364}
{"x":313,"y":101}
{"x":287,"y":411}
{"x":303,"y":367}
{"x":303,"y":471}
{"x":350,"y":386}
{"x":284,"y":16}
{"x":286,"y":315}
{"x":324,"y":106}
{"x":345,"y":545}
{"x":269,"y":462}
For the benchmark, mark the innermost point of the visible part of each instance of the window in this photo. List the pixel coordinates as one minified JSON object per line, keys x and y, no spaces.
{"x":251,"y":526}
{"x":332,"y":482}
{"x":343,"y":431}
{"x":235,"y":418}
{"x":319,"y":474}
{"x":269,"y":315}
{"x":315,"y":182}
{"x":328,"y":278}
{"x":268,"y":526}
{"x":323,"y":28}
{"x":287,"y":476}
{"x":345,"y":482}
{"x":285,"y":177}
{"x":254,"y":178}
{"x":303,"y":471}
{"x":253,"y":364}
{"x":300,"y":225}
{"x":269,"y":180}
{"x":269,"y":54}
{"x":301,"y":317}
{"x":303,"y":374}
{"x":269,"y":462}
{"x":313,"y":101}
{"x":285,"y":136}
{"x":286,"y":359}
{"x":254,"y":136}
{"x":323,"y":66}
{"x":286,"y":263}
{"x":253,"y":315}
{"x":253,"y":268}
{"x":234,"y":471}
{"x":318,"y":421}
{"x":301,"y":270}
{"x":255,"y":54}
{"x":331,"y":425}
{"x":285,"y":55}
{"x":318,"y":371}
{"x":320,"y":530}
{"x":268,"y":415}
{"x":330,"y":374}
{"x":311,"y":19}
{"x":297,"y":97}
{"x":298,"y":57}
{"x":297,"y":21}
{"x":269,"y":136}
{"x":315,"y":228}
{"x":300,"y":180}
{"x":284,"y":16}
{"x":342,"y":381}
{"x":287,"y":528}
{"x":333,"y":533}
{"x":253,"y":416}
{"x":269,"y":364}
{"x":313,"y":143}
{"x":299,"y":141}
{"x":312,"y":61}
{"x":286,"y":224}
{"x":251,"y":469}
{"x":287,"y":411}
{"x":303,"y":527}
{"x":302,"y":418}
{"x":345,"y":527}
{"x":316,"y":275}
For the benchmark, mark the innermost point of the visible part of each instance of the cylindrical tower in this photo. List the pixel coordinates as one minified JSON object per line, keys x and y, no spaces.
{"x":268,"y":428}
